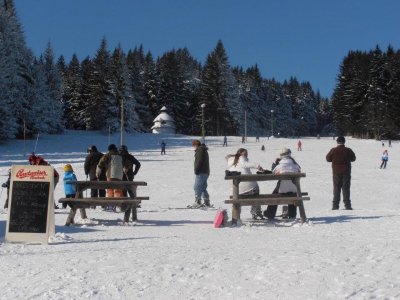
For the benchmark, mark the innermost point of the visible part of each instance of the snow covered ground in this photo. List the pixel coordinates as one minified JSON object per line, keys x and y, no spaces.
{"x":177,"y":254}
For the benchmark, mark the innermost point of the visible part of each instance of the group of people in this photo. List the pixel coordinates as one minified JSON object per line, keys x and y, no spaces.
{"x":340,"y":156}
{"x":121,"y":165}
{"x":115,"y":165}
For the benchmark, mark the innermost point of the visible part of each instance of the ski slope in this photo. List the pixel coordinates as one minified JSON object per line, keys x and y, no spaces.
{"x":177,"y":254}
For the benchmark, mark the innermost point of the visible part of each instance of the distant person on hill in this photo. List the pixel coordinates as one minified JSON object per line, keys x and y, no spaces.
{"x":243,"y":139}
{"x":262,"y":148}
{"x":257,"y":138}
{"x":390,"y":143}
{"x":90,"y":165}
{"x":341,"y":158}
{"x":69,"y":189}
{"x":239,"y":162}
{"x":163,"y":145}
{"x":299,"y":144}
{"x":385,"y":158}
{"x":225,"y":144}
{"x":202,"y":172}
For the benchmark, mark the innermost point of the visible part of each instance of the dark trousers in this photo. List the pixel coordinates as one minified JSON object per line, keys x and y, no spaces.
{"x":383,"y":164}
{"x":97,"y":193}
{"x":341,"y":183}
{"x":125,"y":192}
{"x":270,"y":212}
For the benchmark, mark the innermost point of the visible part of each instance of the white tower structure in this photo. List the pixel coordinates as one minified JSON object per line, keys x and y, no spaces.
{"x":163,"y":123}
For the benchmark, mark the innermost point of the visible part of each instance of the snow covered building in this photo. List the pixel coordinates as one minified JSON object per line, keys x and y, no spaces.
{"x":163,"y":123}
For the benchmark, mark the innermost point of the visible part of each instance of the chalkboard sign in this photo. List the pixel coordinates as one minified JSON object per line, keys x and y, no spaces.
{"x":30,"y":204}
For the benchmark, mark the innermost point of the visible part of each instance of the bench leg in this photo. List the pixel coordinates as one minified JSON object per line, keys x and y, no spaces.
{"x":235,"y":213}
{"x":301,"y":205}
{"x":83,"y":213}
{"x":71,"y":216}
{"x":302,"y":212}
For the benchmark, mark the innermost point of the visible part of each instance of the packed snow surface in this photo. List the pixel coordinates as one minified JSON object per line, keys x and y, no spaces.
{"x":177,"y":254}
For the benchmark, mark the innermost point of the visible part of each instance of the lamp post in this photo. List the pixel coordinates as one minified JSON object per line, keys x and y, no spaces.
{"x":122,"y":122}
{"x":272,"y":122}
{"x":203,"y":131}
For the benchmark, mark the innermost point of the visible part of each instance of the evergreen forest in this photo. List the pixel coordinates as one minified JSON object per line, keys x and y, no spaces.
{"x":47,"y":94}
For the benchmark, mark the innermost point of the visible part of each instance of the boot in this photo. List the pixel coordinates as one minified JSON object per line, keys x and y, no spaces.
{"x":207,"y":202}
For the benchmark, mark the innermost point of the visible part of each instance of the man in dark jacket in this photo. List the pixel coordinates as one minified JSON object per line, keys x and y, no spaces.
{"x":91,"y":161}
{"x":128,"y":161}
{"x":202,"y":171}
{"x":341,"y":158}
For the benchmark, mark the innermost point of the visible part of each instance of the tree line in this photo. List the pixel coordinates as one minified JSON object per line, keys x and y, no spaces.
{"x":47,"y":94}
{"x":366,"y":100}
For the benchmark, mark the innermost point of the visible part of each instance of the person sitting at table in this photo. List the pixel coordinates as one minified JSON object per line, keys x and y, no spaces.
{"x":69,"y":189}
{"x":239,"y":162}
{"x":282,"y":165}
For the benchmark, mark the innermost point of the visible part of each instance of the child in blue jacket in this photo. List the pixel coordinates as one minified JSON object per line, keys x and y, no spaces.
{"x":70,"y":189}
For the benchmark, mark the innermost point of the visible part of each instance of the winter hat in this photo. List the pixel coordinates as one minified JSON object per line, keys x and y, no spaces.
{"x":92,"y":148}
{"x":341,"y":140}
{"x":112,"y":147}
{"x":285,"y":152}
{"x":123,"y":148}
{"x":68,"y":168}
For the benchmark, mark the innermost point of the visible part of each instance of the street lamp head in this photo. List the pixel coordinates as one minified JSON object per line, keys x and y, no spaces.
{"x":203,"y":105}
{"x":272,"y":111}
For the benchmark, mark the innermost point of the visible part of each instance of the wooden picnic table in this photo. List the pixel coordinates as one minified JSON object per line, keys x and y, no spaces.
{"x":82,"y":202}
{"x":238,"y":200}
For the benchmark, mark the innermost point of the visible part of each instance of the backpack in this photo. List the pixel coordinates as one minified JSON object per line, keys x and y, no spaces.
{"x":116,"y":169}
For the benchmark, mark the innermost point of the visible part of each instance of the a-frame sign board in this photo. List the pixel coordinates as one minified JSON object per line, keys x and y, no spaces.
{"x":31,"y":205}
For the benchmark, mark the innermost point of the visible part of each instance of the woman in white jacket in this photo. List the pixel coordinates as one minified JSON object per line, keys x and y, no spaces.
{"x":284,"y":164}
{"x":239,"y":162}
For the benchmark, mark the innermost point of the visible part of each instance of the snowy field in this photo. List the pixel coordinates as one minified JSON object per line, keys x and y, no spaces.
{"x":177,"y":254}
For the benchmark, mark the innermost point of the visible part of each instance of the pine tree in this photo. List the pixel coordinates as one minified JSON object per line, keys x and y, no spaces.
{"x":217,"y":88}
{"x":121,"y":95}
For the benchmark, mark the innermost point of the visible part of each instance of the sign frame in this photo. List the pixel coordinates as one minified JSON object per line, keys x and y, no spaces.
{"x":35,"y":173}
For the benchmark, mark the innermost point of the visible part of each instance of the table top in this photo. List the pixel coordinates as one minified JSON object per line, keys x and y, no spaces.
{"x":107,"y":184}
{"x":265,"y":177}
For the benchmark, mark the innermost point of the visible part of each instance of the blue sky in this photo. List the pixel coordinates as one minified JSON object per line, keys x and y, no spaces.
{"x":303,"y":38}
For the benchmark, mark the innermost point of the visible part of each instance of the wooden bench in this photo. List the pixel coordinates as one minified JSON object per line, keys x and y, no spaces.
{"x":238,"y":200}
{"x":128,"y":203}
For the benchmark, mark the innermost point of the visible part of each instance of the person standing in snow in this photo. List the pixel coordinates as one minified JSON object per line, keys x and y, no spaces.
{"x":284,"y":164}
{"x":239,"y":162}
{"x":112,"y":164}
{"x":385,"y":158}
{"x":7,"y":186}
{"x":69,"y":189}
{"x":341,"y":158}
{"x":128,"y":162}
{"x":163,"y":148}
{"x":299,"y":144}
{"x":90,"y":165}
{"x":202,"y":172}
{"x":225,"y":144}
